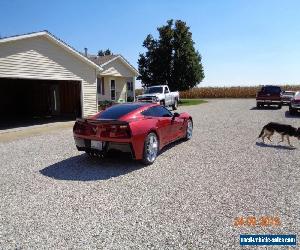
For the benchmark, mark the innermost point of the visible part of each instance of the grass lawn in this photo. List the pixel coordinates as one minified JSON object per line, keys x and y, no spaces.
{"x":189,"y":102}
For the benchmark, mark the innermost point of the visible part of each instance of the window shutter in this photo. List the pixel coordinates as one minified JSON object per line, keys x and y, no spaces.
{"x":98,"y":85}
{"x":102,"y":86}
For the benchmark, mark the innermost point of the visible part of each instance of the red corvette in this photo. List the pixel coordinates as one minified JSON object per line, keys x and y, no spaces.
{"x":140,"y":128}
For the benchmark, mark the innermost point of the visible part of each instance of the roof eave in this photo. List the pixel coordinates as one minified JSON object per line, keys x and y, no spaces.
{"x":55,"y":40}
{"x":124,"y":61}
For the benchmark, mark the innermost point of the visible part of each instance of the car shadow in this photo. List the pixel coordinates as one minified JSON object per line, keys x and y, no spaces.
{"x":265,"y":108}
{"x":264,"y":145}
{"x":85,"y":168}
{"x":288,"y":115}
{"x":171,"y":145}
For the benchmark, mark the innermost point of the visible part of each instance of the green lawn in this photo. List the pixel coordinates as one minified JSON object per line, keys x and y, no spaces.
{"x":189,"y":102}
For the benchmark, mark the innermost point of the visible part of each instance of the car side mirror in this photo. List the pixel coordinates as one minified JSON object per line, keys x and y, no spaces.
{"x":175,"y":115}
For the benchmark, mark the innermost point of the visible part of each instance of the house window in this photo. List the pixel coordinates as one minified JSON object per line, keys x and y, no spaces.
{"x":113,"y":90}
{"x":130,"y":86}
{"x":100,"y":85}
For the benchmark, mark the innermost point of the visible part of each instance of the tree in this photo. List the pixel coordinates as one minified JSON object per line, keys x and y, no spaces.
{"x":171,"y":59}
{"x":104,"y":52}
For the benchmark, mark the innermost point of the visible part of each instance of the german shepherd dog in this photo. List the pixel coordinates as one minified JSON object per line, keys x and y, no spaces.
{"x":282,"y":129}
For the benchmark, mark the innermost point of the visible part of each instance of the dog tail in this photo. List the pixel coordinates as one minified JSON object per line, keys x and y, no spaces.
{"x":261,"y":133}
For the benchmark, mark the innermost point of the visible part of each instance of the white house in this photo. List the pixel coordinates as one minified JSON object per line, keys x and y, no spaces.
{"x":42,"y":75}
{"x":117,"y":80}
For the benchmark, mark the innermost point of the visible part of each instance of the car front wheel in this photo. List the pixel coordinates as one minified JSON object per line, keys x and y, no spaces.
{"x":189,"y":130}
{"x":150,"y":148}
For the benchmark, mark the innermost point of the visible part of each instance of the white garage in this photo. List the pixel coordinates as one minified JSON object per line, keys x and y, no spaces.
{"x":42,"y":75}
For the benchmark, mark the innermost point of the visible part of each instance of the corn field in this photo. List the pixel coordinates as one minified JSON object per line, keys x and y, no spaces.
{"x":220,"y":92}
{"x":227,"y":92}
{"x":224,"y":92}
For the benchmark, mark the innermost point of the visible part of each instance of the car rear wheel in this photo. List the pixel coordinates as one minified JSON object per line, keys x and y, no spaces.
{"x":175,"y":105}
{"x":280,"y":106}
{"x":189,"y":130}
{"x":150,"y":148}
{"x":258,"y":105}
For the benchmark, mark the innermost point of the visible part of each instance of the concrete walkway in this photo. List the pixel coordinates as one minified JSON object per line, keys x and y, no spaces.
{"x":7,"y":135}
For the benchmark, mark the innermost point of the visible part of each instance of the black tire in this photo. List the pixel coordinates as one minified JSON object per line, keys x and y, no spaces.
{"x":292,"y":111}
{"x":258,"y":105}
{"x":175,"y":105}
{"x":279,"y":106}
{"x":162,"y":102}
{"x":150,"y":152}
{"x":189,"y":134}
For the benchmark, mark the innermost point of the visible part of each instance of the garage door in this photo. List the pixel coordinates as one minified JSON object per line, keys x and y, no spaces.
{"x":39,"y":98}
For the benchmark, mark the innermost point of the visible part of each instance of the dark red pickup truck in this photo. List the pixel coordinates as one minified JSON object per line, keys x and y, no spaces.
{"x":269,"y":95}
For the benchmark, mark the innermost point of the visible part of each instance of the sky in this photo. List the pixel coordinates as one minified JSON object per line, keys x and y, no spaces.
{"x":242,"y":42}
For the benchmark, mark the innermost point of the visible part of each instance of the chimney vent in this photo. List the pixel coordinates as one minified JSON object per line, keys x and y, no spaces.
{"x":86,"y":52}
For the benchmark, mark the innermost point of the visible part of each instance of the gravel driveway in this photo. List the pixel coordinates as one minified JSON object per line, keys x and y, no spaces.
{"x":55,"y":197}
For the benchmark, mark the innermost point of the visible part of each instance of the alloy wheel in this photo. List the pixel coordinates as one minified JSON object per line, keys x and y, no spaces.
{"x":151,"y":147}
{"x":189,"y":130}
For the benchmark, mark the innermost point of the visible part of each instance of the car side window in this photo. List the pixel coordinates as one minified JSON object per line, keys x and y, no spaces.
{"x":157,"y":111}
{"x":147,"y":112}
{"x":166,"y":90}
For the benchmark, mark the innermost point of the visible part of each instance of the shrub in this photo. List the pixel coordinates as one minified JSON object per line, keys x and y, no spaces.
{"x":130,"y":99}
{"x":104,"y":104}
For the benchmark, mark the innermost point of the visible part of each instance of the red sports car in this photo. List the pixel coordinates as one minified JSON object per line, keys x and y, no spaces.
{"x":140,"y":128}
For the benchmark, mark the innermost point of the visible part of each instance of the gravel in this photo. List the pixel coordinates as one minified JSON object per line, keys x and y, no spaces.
{"x":57,"y":198}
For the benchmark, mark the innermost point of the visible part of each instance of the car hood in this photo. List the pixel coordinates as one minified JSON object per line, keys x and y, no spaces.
{"x":287,"y":96}
{"x":296,"y":98}
{"x":150,"y":95}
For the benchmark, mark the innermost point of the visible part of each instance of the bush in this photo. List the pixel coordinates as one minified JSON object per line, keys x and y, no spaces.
{"x":130,"y":99}
{"x":104,"y":104}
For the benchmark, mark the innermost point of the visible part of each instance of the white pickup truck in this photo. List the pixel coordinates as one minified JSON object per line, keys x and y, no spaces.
{"x":160,"y":94}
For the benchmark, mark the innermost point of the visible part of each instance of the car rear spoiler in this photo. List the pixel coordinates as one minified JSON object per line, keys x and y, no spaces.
{"x":102,"y":121}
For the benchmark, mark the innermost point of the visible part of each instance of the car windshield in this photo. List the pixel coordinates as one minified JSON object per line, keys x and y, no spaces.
{"x":297,"y":94}
{"x":153,"y":90}
{"x":117,"y":111}
{"x":271,"y":90}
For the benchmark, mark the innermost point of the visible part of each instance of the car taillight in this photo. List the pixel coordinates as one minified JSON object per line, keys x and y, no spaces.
{"x":116,"y":131}
{"x":84,"y":128}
